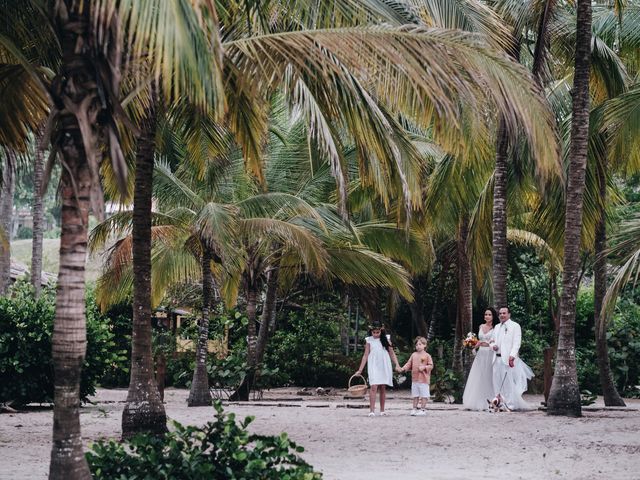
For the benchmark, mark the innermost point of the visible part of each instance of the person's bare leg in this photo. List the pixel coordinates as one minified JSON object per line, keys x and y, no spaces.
{"x":372,"y":398}
{"x":383,"y":397}
{"x":415,"y":402}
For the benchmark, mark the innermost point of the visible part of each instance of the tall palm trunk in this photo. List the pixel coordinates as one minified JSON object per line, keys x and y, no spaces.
{"x":143,"y":410}
{"x":75,"y":89}
{"x":416,"y":307}
{"x":38,"y":218}
{"x":564,"y":397}
{"x":69,"y":331}
{"x":243,"y":391}
{"x":199,"y":395}
{"x":268,"y":322}
{"x":499,"y":219}
{"x":611,"y":395}
{"x":462,"y":359}
{"x":6,"y":212}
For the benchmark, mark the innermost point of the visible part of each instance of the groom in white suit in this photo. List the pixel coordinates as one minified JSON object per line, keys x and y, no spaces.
{"x":506,"y":344}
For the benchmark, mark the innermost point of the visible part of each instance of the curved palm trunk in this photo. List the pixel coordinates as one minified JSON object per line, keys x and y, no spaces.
{"x":38,"y":219}
{"x":564,"y":397}
{"x":609,"y":392}
{"x":143,"y":411}
{"x":6,"y":212}
{"x":199,"y":394}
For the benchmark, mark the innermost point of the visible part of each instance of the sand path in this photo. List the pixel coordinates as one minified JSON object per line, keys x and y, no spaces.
{"x":343,"y":443}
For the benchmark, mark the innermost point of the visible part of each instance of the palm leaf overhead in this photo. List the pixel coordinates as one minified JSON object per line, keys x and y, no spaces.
{"x":23,"y":108}
{"x":627,"y":250}
{"x":361,"y":266}
{"x":458,"y":70}
{"x":619,"y":118}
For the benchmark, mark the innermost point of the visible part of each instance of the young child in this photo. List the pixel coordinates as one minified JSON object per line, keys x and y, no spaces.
{"x":378,"y":354}
{"x":420,"y":363}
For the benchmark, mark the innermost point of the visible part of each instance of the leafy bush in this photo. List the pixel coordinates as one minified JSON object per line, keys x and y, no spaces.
{"x":222,"y":449}
{"x":119,"y":320}
{"x":24,"y":233}
{"x":26,"y":327}
{"x":306,"y":349}
{"x":446,"y":385}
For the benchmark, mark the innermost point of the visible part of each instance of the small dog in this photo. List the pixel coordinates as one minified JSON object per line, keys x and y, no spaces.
{"x":497,"y":405}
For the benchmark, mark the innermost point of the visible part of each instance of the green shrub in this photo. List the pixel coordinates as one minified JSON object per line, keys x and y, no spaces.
{"x":24,"y":233}
{"x":119,"y":319}
{"x":26,"y":327}
{"x":306,"y":348}
{"x":222,"y":449}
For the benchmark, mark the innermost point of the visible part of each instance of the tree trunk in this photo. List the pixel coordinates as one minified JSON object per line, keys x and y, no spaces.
{"x":74,"y":91}
{"x":611,"y":396}
{"x":499,"y":219}
{"x":69,"y":331}
{"x":6,"y":213}
{"x":268,"y":323}
{"x":549,"y":352}
{"x":417,"y":307}
{"x":243,"y":391}
{"x":199,"y":395}
{"x":564,"y":398}
{"x":143,"y":410}
{"x":440,"y":293}
{"x":462,"y":358}
{"x":38,"y":217}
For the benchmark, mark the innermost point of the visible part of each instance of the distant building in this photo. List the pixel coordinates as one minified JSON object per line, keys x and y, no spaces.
{"x":19,"y":270}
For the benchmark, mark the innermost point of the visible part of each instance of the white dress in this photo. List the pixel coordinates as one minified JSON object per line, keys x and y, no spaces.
{"x":379,"y":363}
{"x":479,"y":386}
{"x":511,"y":383}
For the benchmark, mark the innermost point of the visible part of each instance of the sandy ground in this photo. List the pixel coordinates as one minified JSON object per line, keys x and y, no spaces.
{"x":343,"y":443}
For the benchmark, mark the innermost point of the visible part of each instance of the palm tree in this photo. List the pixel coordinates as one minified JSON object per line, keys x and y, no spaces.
{"x":6,"y":213}
{"x":564,"y":397}
{"x":37,"y":211}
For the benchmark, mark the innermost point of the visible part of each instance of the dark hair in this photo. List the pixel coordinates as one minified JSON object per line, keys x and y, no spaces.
{"x":386,"y":344}
{"x":504,"y":306}
{"x":495,"y":320}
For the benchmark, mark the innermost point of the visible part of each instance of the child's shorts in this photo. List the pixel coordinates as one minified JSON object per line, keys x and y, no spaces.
{"x":420,"y":390}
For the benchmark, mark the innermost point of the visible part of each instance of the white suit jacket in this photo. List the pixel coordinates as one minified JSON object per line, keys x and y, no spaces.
{"x":507,"y":336}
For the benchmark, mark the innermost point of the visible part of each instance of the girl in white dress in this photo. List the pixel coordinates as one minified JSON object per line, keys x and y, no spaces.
{"x":378,"y":354}
{"x":479,"y":386}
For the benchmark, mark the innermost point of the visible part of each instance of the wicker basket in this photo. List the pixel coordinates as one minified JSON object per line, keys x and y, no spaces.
{"x":357,"y":390}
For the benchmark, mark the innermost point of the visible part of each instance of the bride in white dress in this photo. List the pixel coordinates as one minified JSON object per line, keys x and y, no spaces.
{"x":479,"y":386}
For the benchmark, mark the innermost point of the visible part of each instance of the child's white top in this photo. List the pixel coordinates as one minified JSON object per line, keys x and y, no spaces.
{"x":379,"y":363}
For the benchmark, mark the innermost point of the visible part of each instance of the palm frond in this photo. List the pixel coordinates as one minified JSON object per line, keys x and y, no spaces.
{"x":359,"y":266}
{"x":309,"y":247}
{"x":459,"y":69}
{"x":181,"y":40}
{"x":24,"y":106}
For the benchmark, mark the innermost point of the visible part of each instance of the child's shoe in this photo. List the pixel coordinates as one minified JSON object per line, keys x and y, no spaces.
{"x":414,"y":412}
{"x":421,"y":413}
{"x":371,"y":414}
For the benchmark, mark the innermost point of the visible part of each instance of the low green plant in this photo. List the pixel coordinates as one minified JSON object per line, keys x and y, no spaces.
{"x":306,"y":348}
{"x":587,"y":398}
{"x":26,"y":327}
{"x":222,"y":449}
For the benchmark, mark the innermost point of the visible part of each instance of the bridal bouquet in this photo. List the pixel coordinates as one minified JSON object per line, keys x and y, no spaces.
{"x":470,"y":341}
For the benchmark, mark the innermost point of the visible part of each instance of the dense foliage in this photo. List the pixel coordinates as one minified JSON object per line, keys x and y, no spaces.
{"x":26,"y":325}
{"x":223,"y":449}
